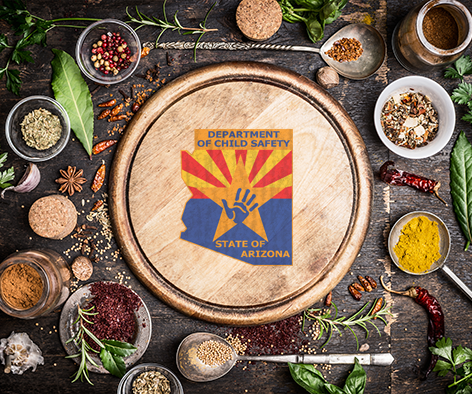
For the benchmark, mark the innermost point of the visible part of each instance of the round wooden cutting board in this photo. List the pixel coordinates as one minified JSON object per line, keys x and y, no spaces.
{"x":240,"y":193}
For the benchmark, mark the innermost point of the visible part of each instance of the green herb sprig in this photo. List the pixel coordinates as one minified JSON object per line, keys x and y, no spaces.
{"x":7,"y":175}
{"x":316,"y":14}
{"x":168,"y":24}
{"x":33,"y":30}
{"x":461,"y":67}
{"x":111,"y":352}
{"x":459,"y":363}
{"x":313,"y":381}
{"x":463,"y":95}
{"x":329,"y":323}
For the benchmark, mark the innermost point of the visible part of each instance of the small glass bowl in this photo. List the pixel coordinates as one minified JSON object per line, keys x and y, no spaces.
{"x":126,"y":383}
{"x":13,"y":128}
{"x":83,"y":50}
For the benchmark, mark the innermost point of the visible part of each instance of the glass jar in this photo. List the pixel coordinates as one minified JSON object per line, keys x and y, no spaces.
{"x":54,"y":274}
{"x":410,"y":46}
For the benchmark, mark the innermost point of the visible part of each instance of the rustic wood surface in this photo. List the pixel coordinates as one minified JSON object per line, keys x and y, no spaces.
{"x":332,"y":181}
{"x":404,"y":337}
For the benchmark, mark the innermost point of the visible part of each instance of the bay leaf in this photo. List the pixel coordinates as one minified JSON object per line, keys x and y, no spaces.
{"x":461,"y":184}
{"x":72,"y":92}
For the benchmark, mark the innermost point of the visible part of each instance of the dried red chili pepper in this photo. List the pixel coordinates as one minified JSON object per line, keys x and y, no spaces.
{"x":97,"y":205}
{"x":365,"y":284}
{"x":99,"y":179}
{"x":329,"y":299}
{"x":104,"y":114}
{"x":109,"y":103}
{"x":377,"y":307}
{"x":357,"y":296}
{"x":435,"y":317}
{"x":403,"y":178}
{"x":116,"y":118}
{"x":117,"y":109}
{"x":101,"y":146}
{"x":372,"y":282}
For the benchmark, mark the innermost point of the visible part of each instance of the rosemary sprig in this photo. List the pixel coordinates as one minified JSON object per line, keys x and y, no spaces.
{"x":111,"y":352}
{"x":81,"y":343}
{"x":330,"y":323}
{"x":174,"y":25}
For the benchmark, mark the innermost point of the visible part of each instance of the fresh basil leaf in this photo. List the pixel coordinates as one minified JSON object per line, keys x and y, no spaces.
{"x":356,"y":381}
{"x":314,"y":28}
{"x":332,"y":389}
{"x":73,"y":93}
{"x":442,"y":367}
{"x":113,"y":364}
{"x":328,"y":10}
{"x":308,"y":377}
{"x":461,"y":191}
{"x":331,"y":19}
{"x":462,"y":94}
{"x":13,"y":81}
{"x":122,"y":349}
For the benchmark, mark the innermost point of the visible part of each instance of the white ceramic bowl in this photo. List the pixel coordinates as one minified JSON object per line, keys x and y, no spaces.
{"x":441,"y":102}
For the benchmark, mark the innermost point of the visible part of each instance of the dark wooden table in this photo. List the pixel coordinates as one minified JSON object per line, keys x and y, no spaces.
{"x":405,"y":335}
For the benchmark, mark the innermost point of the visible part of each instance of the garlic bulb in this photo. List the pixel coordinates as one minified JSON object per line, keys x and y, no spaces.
{"x":18,"y":352}
{"x":28,"y":181}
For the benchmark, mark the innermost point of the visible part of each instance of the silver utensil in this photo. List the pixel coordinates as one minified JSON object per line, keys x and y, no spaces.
{"x":444,"y":247}
{"x":194,"y":369}
{"x":372,"y":42}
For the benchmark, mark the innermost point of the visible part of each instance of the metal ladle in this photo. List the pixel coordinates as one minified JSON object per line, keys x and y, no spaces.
{"x":195,"y":370}
{"x":444,"y":247}
{"x":370,"y":61}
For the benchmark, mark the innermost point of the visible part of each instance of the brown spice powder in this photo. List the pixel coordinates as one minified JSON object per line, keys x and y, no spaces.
{"x":440,"y":28}
{"x":21,"y":286}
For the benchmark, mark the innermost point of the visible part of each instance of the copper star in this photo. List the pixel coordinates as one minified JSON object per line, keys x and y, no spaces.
{"x":71,"y":180}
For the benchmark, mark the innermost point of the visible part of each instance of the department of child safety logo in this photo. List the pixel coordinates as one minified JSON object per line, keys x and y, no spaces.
{"x":241,"y":185}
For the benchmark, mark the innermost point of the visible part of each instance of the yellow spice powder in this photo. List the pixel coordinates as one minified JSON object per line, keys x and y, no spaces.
{"x":418,"y":245}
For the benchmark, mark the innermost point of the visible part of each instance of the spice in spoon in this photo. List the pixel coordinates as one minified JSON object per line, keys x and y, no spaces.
{"x":41,"y":129}
{"x":345,"y":50}
{"x":418,"y":245}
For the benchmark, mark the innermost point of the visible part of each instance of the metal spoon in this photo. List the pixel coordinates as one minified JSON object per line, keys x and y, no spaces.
{"x":372,"y":42}
{"x":194,"y":369}
{"x":444,"y":247}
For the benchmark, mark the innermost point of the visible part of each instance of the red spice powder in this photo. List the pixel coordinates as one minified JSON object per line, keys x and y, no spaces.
{"x":115,"y":305}
{"x":281,"y":337}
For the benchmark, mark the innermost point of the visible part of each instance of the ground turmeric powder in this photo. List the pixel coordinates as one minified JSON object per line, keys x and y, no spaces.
{"x":418,"y":245}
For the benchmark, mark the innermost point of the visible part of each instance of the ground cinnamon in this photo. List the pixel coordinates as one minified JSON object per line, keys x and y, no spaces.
{"x":21,"y":286}
{"x":440,"y":28}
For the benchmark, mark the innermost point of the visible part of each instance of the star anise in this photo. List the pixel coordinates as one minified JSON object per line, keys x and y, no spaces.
{"x":71,"y":180}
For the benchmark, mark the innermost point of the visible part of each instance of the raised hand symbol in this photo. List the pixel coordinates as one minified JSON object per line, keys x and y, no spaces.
{"x":241,"y":209}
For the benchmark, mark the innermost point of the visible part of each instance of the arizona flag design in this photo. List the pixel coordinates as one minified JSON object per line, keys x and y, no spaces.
{"x":241,"y":185}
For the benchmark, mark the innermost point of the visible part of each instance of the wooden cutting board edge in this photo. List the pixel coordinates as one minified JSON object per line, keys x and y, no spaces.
{"x":185,"y":85}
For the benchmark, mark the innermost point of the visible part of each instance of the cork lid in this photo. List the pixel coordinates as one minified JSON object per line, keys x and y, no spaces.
{"x":53,"y":217}
{"x":259,"y":19}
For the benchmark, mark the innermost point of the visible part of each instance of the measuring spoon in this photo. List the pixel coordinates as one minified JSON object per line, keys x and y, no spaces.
{"x":370,"y":61}
{"x":195,"y":370}
{"x":444,"y":247}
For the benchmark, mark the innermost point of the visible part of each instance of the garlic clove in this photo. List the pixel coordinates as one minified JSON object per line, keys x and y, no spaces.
{"x":28,"y":181}
{"x":327,"y":77}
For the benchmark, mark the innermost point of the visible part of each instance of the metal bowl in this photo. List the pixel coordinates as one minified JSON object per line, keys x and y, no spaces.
{"x":444,"y":240}
{"x":67,"y":329}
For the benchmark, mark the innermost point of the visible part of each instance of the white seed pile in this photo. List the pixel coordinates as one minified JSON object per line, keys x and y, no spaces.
{"x":214,"y":353}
